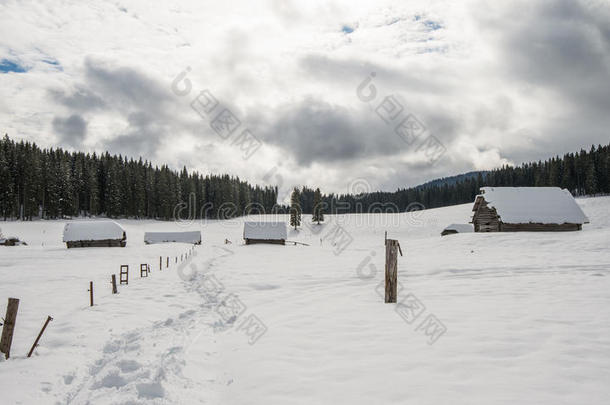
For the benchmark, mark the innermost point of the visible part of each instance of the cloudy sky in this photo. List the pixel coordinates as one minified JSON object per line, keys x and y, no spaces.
{"x":331,"y":93}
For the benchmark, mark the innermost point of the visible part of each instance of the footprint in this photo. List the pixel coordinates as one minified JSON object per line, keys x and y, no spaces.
{"x":112,"y":347}
{"x":150,"y":390}
{"x":111,"y":380}
{"x":127,"y":366}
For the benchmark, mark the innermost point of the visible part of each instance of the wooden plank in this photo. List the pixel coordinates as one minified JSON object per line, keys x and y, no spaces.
{"x":49,"y":319}
{"x":9,"y":326}
{"x":391,"y":270}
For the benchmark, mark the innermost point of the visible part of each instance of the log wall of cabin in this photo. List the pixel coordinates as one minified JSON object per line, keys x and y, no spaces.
{"x":250,"y":241}
{"x":539,"y":227}
{"x":96,"y":243}
{"x":485,"y":219}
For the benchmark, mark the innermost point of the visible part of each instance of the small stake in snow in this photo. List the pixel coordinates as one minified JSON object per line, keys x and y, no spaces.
{"x":391,"y":269}
{"x":113,"y":282}
{"x":160,"y":263}
{"x":9,"y":327}
{"x":90,"y":292}
{"x":49,"y":319}
{"x":124,"y":274}
{"x":167,"y":264}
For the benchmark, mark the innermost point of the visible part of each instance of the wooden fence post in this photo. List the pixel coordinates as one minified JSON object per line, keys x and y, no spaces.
{"x":49,"y":319}
{"x":91,"y":293}
{"x":9,"y":326}
{"x":167,"y":264}
{"x":124,"y":274}
{"x":160,"y":263}
{"x":113,"y":282}
{"x":391,"y":270}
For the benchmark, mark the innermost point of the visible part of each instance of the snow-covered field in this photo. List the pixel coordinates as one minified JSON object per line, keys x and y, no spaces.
{"x":486,"y":318}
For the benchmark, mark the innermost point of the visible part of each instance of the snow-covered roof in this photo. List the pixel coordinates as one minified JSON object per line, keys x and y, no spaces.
{"x":460,"y":228}
{"x":92,"y":230}
{"x":265,"y":230}
{"x":181,"y":237}
{"x":545,"y":205}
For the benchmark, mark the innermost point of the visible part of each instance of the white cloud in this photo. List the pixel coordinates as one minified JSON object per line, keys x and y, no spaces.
{"x":497,"y":83}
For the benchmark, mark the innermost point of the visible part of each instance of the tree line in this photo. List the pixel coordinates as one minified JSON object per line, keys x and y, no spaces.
{"x":55,"y":183}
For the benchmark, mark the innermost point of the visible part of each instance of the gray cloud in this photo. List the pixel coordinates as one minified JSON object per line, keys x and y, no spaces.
{"x":72,"y":130}
{"x":316,"y":131}
{"x":126,"y":89}
{"x":127,"y":94}
{"x":81,"y":99}
{"x":562,"y":47}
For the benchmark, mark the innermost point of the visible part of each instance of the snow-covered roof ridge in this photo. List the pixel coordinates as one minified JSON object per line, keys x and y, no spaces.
{"x":92,"y":230}
{"x":546,"y":205}
{"x":265,"y":230}
{"x":180,"y":237}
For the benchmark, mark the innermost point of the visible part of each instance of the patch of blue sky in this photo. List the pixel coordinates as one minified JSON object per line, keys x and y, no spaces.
{"x":7,"y":66}
{"x":347,"y":29}
{"x":54,"y":63}
{"x":431,"y":25}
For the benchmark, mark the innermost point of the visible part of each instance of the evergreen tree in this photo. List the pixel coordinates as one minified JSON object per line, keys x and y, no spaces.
{"x":591,"y":180}
{"x":295,"y":209}
{"x":318,"y":211}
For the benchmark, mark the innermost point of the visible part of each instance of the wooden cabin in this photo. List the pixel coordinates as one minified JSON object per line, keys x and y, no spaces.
{"x":514,"y":209}
{"x":457,"y":228}
{"x":265,"y":232}
{"x":94,"y":234}
{"x":193,"y":237}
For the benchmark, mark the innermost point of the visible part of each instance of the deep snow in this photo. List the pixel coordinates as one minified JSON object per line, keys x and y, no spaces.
{"x":523,"y":317}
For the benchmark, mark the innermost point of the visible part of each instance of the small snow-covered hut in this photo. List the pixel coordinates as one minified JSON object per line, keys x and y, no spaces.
{"x":94,"y":234}
{"x":193,"y":237}
{"x":265,"y":232}
{"x":457,"y":228}
{"x":513,"y":209}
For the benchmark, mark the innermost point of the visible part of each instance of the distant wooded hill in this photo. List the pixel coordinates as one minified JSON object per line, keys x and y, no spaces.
{"x":583,"y":173}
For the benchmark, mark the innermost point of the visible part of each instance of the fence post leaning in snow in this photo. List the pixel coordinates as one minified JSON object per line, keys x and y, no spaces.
{"x":167,"y":264}
{"x":391,"y":270}
{"x":90,"y":293}
{"x":49,"y":319}
{"x":9,"y":326}
{"x":124,"y":274}
{"x":113,"y":282}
